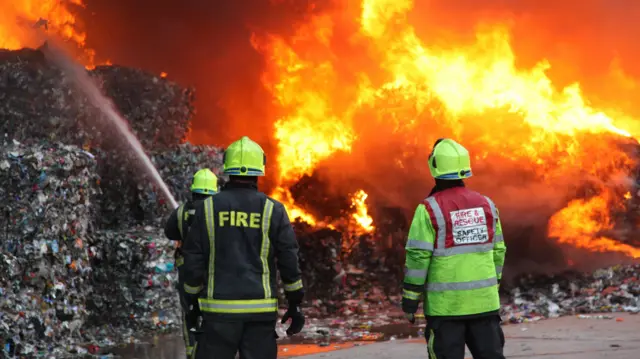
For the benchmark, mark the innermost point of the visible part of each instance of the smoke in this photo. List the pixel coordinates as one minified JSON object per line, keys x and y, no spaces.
{"x":199,"y":43}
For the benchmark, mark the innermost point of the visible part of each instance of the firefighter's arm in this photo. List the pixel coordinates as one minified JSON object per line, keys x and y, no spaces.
{"x":171,"y":229}
{"x":286,"y":253}
{"x":418,"y":256}
{"x":499,"y":247}
{"x":196,"y":253}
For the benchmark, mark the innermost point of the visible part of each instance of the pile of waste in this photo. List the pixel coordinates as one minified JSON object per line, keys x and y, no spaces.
{"x":47,"y":192}
{"x":133,"y":283}
{"x":348,"y":274}
{"x":534,"y":297}
{"x":130,"y":199}
{"x":38,"y":102}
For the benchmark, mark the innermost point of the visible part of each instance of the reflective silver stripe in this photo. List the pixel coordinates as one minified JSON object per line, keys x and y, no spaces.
{"x":475,"y":248}
{"x":180,"y":219}
{"x":410,"y":294}
{"x":416,"y":244}
{"x":237,"y":306}
{"x":499,"y":238}
{"x":440,"y":223}
{"x":293,"y":286}
{"x":191,"y":212}
{"x":476,"y":284}
{"x":266,"y":247}
{"x":418,"y":273}
{"x":498,"y":270}
{"x":210,"y":221}
{"x":494,"y":212}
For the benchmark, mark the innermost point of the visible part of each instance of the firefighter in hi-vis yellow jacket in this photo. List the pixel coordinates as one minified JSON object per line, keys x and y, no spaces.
{"x":237,"y":240}
{"x":454,"y":258}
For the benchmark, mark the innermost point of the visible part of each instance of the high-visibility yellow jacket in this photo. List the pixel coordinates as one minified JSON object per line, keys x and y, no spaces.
{"x":454,"y":254}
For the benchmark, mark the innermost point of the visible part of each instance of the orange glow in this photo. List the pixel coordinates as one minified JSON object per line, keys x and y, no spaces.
{"x":163,"y":74}
{"x":580,"y":223}
{"x":18,"y":18}
{"x":397,"y":82}
{"x":361,"y":214}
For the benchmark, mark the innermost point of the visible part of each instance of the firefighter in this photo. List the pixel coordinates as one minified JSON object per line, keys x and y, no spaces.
{"x":454,"y":257}
{"x":205,"y":184}
{"x":238,"y":239}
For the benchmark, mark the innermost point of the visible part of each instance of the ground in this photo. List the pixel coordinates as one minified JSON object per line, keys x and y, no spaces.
{"x":563,"y":338}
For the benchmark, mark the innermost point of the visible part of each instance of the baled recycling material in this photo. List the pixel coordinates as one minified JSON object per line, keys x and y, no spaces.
{"x":83,"y":259}
{"x":38,"y":102}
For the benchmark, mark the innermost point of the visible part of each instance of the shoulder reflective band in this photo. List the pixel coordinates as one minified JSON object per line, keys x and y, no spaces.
{"x":474,"y":284}
{"x":441,"y":234}
{"x":266,"y":246}
{"x":410,"y":294}
{"x":180,"y":214}
{"x":211,"y":231}
{"x":293,"y":286}
{"x":238,"y":306}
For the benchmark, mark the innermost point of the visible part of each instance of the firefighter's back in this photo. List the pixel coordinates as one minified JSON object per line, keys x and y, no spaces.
{"x":462,"y":278}
{"x":239,"y":222}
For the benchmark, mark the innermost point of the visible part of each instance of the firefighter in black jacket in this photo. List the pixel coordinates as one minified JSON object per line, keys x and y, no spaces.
{"x":237,"y":239}
{"x":205,"y":184}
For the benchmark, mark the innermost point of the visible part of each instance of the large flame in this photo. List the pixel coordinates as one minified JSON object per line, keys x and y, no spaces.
{"x":17,"y":19}
{"x":475,"y":90}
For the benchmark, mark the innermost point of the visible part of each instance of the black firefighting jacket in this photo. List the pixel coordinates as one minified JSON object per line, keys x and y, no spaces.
{"x":236,"y":241}
{"x":177,"y":226}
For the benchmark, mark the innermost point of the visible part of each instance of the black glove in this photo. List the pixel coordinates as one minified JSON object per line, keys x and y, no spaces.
{"x":409,"y":306}
{"x":297,"y":320}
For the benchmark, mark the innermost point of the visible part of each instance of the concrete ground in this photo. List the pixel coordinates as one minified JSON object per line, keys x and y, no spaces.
{"x":563,"y":338}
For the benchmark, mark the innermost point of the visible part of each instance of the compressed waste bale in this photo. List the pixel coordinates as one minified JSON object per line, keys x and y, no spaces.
{"x":47,"y":192}
{"x":158,"y":109}
{"x":133,"y":283}
{"x":131,"y":198}
{"x":38,"y":102}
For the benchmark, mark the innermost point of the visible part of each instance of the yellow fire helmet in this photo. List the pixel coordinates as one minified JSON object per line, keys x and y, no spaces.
{"x":244,"y":158}
{"x":205,"y":182}
{"x":449,"y":160}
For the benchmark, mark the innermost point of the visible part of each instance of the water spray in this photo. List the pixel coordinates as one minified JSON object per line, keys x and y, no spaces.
{"x":78,"y":75}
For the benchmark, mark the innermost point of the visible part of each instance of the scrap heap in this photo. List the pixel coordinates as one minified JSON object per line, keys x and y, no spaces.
{"x":79,"y":261}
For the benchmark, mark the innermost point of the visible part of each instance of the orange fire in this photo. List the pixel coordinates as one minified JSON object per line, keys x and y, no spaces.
{"x":361,"y":215}
{"x":328,"y":85}
{"x":18,"y":18}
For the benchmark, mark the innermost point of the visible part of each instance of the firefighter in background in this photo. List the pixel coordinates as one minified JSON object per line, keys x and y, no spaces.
{"x":205,"y":184}
{"x":238,"y":239}
{"x":454,"y":257}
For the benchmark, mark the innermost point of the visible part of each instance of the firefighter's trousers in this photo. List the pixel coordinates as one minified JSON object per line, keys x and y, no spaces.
{"x":189,"y":317}
{"x":223,"y":339}
{"x":446,"y":338}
